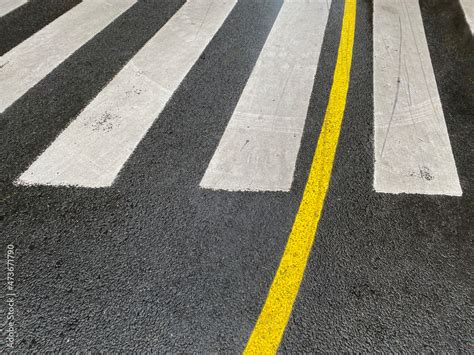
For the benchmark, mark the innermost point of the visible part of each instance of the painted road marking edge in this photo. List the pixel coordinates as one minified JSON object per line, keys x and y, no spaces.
{"x":269,"y":329}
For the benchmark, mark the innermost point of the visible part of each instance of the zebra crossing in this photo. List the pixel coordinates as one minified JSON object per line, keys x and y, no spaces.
{"x":259,"y":148}
{"x":92,"y":150}
{"x":219,"y":155}
{"x":27,"y":64}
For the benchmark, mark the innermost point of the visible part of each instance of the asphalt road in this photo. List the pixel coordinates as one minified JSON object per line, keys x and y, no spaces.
{"x":156,"y":263}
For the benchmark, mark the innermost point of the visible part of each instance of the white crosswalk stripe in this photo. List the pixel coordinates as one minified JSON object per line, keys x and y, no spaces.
{"x":259,"y":148}
{"x":93,"y":149}
{"x":7,"y":6}
{"x":468,"y":8}
{"x":260,"y":145}
{"x":29,"y":62}
{"x":412,"y":148}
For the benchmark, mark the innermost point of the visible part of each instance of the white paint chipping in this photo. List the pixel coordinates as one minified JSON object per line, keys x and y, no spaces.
{"x":468,"y":8}
{"x":412,"y":148}
{"x":28,"y":63}
{"x":7,"y":6}
{"x":91,"y":151}
{"x":259,"y":148}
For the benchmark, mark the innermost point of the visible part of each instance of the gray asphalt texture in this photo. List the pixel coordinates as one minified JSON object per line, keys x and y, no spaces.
{"x":157,"y":264}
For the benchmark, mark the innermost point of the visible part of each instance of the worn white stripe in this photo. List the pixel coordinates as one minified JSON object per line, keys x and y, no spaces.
{"x":468,"y":8}
{"x":412,"y":149}
{"x":260,"y":145}
{"x":7,"y":6}
{"x":94,"y":147}
{"x":29,"y":62}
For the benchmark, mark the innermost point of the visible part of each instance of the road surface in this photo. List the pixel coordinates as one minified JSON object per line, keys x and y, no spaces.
{"x":186,"y":176}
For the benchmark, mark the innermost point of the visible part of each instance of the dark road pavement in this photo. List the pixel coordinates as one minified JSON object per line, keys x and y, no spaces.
{"x":156,"y":263}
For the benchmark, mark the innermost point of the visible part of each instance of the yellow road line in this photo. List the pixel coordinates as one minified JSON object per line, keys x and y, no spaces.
{"x":271,"y":324}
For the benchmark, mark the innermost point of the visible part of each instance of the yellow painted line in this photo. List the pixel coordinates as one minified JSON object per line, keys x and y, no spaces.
{"x":271,"y":323}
